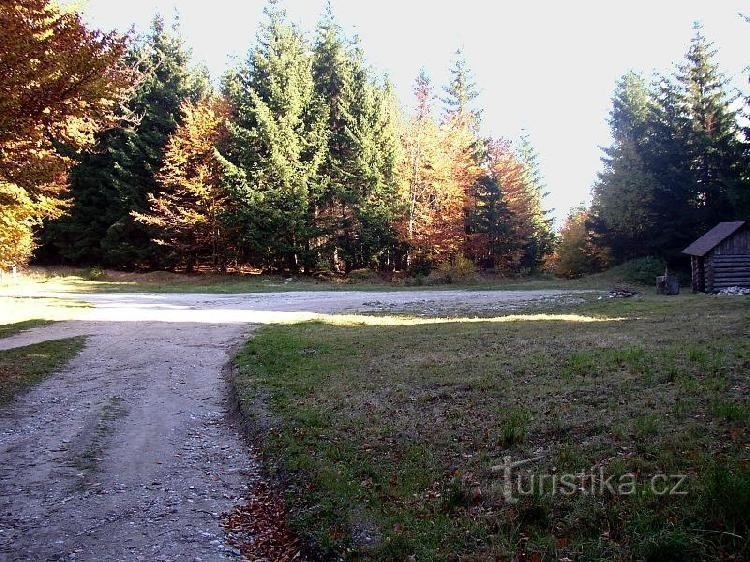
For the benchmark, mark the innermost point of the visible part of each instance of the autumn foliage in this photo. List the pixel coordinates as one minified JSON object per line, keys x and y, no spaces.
{"x":189,"y":213}
{"x":302,"y":161}
{"x":61,"y":83}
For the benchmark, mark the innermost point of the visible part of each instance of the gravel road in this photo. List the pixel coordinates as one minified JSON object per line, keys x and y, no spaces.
{"x":129,"y":452}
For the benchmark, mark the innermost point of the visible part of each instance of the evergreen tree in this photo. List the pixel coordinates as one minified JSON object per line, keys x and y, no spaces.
{"x":714,"y":146}
{"x":505,"y":213}
{"x":623,"y":210}
{"x":334,"y":75}
{"x":461,"y":94}
{"x":362,"y":154}
{"x":677,"y":165}
{"x":113,"y":180}
{"x":461,"y":122}
{"x":276,"y":146}
{"x":382,"y":206}
{"x":541,"y":237}
{"x":490,"y":233}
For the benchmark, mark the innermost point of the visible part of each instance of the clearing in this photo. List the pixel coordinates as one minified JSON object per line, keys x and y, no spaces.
{"x":128,"y":452}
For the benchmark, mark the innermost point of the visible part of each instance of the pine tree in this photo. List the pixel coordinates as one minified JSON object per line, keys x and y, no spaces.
{"x":188,"y":215}
{"x":114,"y":179}
{"x":276,"y":146}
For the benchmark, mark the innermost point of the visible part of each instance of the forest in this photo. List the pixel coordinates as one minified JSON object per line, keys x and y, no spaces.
{"x":117,"y":151}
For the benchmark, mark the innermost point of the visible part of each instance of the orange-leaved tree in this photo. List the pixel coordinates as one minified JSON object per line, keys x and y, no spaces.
{"x":433,"y":227}
{"x":576,"y":253}
{"x":61,"y":83}
{"x":189,"y":215}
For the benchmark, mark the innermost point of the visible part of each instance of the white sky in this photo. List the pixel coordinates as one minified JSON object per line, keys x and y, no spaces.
{"x":547,"y":66}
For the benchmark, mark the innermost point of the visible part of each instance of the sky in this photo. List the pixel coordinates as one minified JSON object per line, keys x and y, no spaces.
{"x":548,"y":67}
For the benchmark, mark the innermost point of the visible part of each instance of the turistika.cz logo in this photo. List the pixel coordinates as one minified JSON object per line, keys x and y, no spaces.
{"x":517,"y":483}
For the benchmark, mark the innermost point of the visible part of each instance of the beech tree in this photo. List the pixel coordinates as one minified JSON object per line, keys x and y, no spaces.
{"x":188,"y":214}
{"x":61,"y":83}
{"x":577,"y":253}
{"x":18,"y":216}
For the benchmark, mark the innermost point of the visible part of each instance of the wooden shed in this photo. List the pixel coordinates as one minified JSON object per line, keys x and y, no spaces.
{"x":721,"y":257}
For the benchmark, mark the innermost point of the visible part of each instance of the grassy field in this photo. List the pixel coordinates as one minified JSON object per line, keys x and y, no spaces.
{"x":386,"y":436}
{"x":69,"y":280}
{"x":23,"y":367}
{"x":7,"y":330}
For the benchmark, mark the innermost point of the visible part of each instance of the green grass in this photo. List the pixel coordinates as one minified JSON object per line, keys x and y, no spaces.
{"x":7,"y":330}
{"x":23,"y":367}
{"x":395,"y":430}
{"x":95,"y":280}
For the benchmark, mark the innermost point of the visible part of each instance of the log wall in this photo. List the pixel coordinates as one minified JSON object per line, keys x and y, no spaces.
{"x":728,"y":265}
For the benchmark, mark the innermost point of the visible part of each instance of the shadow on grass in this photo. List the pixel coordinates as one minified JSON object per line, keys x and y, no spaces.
{"x":23,"y":367}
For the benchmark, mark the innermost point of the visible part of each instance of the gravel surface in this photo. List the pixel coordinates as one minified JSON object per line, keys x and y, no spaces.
{"x":129,"y":453}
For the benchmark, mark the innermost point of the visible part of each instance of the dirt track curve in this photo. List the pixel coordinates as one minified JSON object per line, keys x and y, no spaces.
{"x":129,"y":452}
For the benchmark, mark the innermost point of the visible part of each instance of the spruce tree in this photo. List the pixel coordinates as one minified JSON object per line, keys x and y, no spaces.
{"x":362,"y":156}
{"x":623,"y":210}
{"x":714,"y":142}
{"x":461,"y":120}
{"x":541,"y":239}
{"x":461,"y":94}
{"x":333,"y":72}
{"x":276,"y":146}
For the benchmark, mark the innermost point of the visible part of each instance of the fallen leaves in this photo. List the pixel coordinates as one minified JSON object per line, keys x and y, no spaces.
{"x":260,"y":528}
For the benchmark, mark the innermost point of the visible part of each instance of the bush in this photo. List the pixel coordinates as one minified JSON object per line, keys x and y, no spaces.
{"x":458,"y":269}
{"x":641,"y":270}
{"x":420,"y":266}
{"x":94,"y":274}
{"x":363,"y":275}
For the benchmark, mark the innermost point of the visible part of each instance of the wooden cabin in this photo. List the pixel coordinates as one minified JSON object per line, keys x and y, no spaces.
{"x":721,"y":257}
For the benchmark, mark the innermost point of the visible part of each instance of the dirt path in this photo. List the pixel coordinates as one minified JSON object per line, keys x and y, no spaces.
{"x":128,"y":453}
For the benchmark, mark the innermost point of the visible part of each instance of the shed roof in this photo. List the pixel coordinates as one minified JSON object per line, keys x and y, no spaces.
{"x":713,"y":238}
